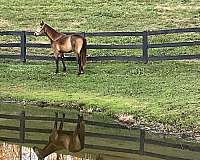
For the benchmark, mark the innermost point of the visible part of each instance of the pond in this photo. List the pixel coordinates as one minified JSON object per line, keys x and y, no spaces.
{"x":105,"y":138}
{"x":17,"y":152}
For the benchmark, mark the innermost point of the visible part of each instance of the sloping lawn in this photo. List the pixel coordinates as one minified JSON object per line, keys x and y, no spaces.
{"x":162,"y":92}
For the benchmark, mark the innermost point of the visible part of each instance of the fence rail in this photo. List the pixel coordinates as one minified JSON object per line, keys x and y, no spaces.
{"x":144,"y":46}
{"x":141,"y":139}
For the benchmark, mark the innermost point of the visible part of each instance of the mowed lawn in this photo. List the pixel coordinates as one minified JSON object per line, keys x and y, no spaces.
{"x":103,"y":15}
{"x":163,"y":92}
{"x":99,"y":15}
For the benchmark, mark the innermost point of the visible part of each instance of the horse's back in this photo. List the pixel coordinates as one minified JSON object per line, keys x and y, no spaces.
{"x":63,"y":44}
{"x":69,"y":43}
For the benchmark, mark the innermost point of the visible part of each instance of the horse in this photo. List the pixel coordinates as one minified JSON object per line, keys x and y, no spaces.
{"x":62,"y":43}
{"x":58,"y":140}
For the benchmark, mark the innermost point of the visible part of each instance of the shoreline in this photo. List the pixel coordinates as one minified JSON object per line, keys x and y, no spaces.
{"x":122,"y":119}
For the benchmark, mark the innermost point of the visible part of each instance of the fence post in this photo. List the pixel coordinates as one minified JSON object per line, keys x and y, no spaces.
{"x":22,"y":127}
{"x":142,"y":140}
{"x":83,"y":33}
{"x":145,"y":47}
{"x":23,"y":46}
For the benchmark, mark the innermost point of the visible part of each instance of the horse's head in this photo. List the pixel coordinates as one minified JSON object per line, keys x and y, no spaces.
{"x":40,"y":30}
{"x":37,"y":152}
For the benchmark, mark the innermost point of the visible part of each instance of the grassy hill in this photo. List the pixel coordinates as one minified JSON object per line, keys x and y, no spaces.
{"x":164,"y":92}
{"x":99,"y":15}
{"x":104,"y":15}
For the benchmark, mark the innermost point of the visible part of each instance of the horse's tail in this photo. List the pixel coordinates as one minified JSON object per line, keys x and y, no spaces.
{"x":83,"y":53}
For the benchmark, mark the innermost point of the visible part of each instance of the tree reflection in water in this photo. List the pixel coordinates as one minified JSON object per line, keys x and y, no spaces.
{"x":9,"y":151}
{"x":12,"y":152}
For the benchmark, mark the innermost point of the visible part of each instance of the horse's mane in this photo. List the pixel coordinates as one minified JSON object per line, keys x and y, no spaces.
{"x":52,"y":33}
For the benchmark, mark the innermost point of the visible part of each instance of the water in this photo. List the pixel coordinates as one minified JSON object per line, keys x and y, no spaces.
{"x":121,"y":144}
{"x":15,"y":152}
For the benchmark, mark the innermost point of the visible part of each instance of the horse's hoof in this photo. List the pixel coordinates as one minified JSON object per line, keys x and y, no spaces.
{"x":80,"y":74}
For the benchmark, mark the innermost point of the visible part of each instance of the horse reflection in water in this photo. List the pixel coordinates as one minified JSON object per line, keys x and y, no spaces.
{"x":58,"y":140}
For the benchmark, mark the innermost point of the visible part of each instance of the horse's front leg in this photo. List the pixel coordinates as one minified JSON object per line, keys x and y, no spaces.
{"x":57,"y":64}
{"x":64,"y":67}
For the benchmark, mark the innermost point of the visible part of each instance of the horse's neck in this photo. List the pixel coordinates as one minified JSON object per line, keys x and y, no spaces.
{"x":52,"y":34}
{"x":55,"y":145}
{"x":47,"y":150}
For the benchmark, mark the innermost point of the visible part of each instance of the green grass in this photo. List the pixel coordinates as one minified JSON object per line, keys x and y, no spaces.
{"x":161,"y":92}
{"x":111,"y":15}
{"x":48,"y":111}
{"x":103,"y":15}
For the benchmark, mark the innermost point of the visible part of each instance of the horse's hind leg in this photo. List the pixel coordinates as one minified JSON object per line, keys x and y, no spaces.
{"x":80,"y":130}
{"x":77,"y":50}
{"x":81,"y":71}
{"x":79,"y":65}
{"x":57,"y":64}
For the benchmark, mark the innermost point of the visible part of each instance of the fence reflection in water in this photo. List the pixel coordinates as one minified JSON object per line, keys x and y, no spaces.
{"x":102,"y":137}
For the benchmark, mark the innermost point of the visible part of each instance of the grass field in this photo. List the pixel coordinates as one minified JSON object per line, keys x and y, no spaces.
{"x":161,"y":92}
{"x":104,"y":15}
{"x":100,"y":15}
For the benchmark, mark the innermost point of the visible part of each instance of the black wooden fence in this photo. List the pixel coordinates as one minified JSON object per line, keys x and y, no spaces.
{"x":144,"y":46}
{"x":142,"y":140}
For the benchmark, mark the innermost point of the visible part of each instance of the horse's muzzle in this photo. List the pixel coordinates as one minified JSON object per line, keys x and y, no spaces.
{"x":36,"y":34}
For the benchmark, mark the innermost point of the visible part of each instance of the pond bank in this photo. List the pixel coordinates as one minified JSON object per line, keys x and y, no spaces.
{"x":123,"y":119}
{"x":155,"y":93}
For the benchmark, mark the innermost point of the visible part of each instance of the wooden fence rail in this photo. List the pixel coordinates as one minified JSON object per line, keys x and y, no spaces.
{"x":144,"y":46}
{"x":141,"y":139}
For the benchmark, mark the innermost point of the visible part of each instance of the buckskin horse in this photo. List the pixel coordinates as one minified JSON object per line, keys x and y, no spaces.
{"x":62,"y":43}
{"x":58,"y":140}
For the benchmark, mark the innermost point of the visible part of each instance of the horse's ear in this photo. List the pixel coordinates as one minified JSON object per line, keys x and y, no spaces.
{"x":42,"y":23}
